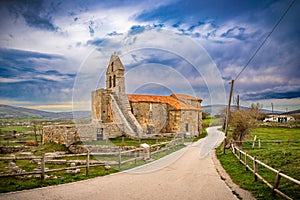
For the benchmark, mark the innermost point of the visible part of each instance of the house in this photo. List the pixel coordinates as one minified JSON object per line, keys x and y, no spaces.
{"x":279,"y":118}
{"x":138,"y":116}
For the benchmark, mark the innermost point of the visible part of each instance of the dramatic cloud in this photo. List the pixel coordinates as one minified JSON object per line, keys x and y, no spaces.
{"x":44,"y":45}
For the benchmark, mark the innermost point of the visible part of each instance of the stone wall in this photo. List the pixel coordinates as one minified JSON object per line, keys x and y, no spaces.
{"x":12,"y":149}
{"x":101,"y":106}
{"x":191,"y":122}
{"x":70,"y":134}
{"x":153,"y":117}
{"x":174,"y":121}
{"x":62,"y":134}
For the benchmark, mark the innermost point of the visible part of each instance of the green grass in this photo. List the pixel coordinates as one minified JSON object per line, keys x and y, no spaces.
{"x":29,"y":119}
{"x":21,"y":183}
{"x":209,"y":120}
{"x":18,"y":129}
{"x":276,"y":133}
{"x":119,"y":141}
{"x":284,"y":158}
{"x":203,"y":135}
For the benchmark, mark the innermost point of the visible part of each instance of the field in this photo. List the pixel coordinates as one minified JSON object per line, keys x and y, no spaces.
{"x":281,"y":157}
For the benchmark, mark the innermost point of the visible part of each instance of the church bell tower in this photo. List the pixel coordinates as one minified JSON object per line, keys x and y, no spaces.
{"x":115,"y":75}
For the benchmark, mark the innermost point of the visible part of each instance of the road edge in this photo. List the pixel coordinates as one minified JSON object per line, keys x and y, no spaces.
{"x":236,"y":189}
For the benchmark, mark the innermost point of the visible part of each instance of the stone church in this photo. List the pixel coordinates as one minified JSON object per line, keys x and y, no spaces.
{"x":139,"y":116}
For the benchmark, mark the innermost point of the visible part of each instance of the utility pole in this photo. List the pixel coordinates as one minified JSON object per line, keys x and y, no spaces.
{"x":227,"y":115}
{"x":272,"y":108}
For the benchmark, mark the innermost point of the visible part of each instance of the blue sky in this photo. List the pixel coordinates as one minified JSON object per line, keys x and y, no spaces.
{"x":50,"y":50}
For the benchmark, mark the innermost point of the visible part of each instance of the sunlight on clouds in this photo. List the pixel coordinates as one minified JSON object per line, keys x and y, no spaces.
{"x":12,"y":80}
{"x":52,"y":107}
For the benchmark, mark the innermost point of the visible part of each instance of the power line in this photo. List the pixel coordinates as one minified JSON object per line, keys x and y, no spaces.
{"x":261,"y":45}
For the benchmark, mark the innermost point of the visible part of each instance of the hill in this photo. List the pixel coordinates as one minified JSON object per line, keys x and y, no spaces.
{"x":20,"y":112}
{"x":215,"y":109}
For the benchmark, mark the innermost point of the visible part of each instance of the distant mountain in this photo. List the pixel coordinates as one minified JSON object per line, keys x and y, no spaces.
{"x":293,"y":112}
{"x":19,"y":112}
{"x":218,"y":108}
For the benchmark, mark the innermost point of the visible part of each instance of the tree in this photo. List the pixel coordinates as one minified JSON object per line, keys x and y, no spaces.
{"x":241,"y":122}
{"x":256,"y":113}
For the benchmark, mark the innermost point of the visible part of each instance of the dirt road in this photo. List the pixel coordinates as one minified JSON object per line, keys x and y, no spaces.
{"x":187,"y":174}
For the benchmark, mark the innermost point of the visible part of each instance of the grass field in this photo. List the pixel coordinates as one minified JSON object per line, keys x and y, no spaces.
{"x":284,"y":158}
{"x":20,"y":183}
{"x":211,"y":121}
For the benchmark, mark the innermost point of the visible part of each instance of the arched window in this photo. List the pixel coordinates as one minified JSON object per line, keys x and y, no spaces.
{"x":114,"y":81}
{"x":112,"y":66}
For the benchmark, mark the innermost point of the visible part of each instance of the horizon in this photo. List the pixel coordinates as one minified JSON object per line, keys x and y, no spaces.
{"x":190,"y":47}
{"x":53,"y":109}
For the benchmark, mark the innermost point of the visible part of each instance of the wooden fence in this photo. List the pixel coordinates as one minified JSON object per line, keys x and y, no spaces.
{"x":258,"y":142}
{"x":138,"y":154}
{"x":238,"y":153}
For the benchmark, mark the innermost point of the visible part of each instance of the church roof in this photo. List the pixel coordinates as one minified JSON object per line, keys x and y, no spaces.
{"x":171,"y":101}
{"x":184,"y":96}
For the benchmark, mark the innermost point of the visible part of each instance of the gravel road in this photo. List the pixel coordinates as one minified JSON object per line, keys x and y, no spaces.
{"x":186,"y":174}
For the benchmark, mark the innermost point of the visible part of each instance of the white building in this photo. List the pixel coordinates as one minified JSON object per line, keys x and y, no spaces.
{"x":279,"y":118}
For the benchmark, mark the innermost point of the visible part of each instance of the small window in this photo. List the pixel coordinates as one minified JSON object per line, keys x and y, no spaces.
{"x":109,"y":82}
{"x":187,"y":127}
{"x":114,"y":81}
{"x":112,"y":66}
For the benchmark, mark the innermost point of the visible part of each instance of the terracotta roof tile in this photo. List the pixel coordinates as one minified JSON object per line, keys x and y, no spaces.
{"x":187,"y":97}
{"x":173,"y":102}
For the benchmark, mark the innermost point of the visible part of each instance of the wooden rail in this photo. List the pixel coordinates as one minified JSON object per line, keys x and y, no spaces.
{"x":238,"y":153}
{"x":138,"y":153}
{"x":259,"y":141}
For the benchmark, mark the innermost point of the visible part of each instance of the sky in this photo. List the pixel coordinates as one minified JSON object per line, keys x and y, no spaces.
{"x":54,"y":53}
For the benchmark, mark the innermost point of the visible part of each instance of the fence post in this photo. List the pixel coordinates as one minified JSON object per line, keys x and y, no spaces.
{"x":233,"y":149}
{"x":255,"y":168}
{"x":43,"y":167}
{"x":254,"y":142}
{"x":246,"y":160}
{"x":276,"y":183}
{"x":259,"y":144}
{"x":120,"y":159}
{"x":240,"y":156}
{"x":87,"y":163}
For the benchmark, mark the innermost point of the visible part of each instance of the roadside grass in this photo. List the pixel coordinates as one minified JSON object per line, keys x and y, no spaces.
{"x":203,"y":135}
{"x":284,"y":158}
{"x":9,"y":184}
{"x":30,"y":182}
